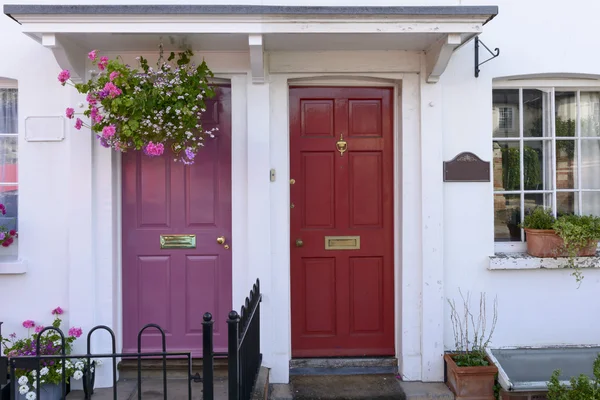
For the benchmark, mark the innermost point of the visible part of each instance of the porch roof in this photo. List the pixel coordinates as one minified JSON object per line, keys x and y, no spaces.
{"x":436,"y":30}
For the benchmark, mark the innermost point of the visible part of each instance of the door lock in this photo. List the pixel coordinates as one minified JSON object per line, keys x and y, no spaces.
{"x":299,"y":243}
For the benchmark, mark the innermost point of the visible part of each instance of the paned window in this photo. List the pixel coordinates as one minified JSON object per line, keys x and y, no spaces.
{"x":549,"y":155}
{"x":9,"y":135}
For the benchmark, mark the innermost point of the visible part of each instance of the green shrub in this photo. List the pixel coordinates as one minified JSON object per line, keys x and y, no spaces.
{"x":581,"y":387}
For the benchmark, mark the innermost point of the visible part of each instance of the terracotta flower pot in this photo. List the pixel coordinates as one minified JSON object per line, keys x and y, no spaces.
{"x":546,"y":243}
{"x":470,"y":383}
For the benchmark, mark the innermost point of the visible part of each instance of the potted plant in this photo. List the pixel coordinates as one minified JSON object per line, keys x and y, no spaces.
{"x":50,"y":374}
{"x":470,"y":374}
{"x":565,"y":236}
{"x":147,"y":109}
{"x":7,"y":235}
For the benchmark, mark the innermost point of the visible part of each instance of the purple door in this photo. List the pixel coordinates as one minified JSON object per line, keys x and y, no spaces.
{"x":174,"y":287}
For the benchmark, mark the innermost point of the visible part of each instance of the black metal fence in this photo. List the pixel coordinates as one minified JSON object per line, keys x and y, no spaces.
{"x":243,"y":353}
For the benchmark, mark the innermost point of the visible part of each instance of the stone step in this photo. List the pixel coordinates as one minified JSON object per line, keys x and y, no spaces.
{"x":343,"y":366}
{"x":177,"y":389}
{"x":153,"y":368}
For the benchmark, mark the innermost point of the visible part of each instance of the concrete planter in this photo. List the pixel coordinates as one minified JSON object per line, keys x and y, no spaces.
{"x":545,"y":243}
{"x":470,"y":383}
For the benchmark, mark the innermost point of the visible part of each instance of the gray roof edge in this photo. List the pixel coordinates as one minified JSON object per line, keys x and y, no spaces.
{"x":22,"y":9}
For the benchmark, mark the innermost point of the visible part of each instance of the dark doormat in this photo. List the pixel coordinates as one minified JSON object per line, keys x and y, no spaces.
{"x":347,"y":387}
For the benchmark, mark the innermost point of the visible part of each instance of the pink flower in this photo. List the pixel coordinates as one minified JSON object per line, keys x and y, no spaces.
{"x":69,"y":112}
{"x":12,"y":335}
{"x":39,"y":328}
{"x":75,"y":332}
{"x":28,"y":324}
{"x":108,"y":131}
{"x":154,"y":149}
{"x":103,"y":63}
{"x":91,"y":99}
{"x":113,"y":75}
{"x":78,"y":124}
{"x":111,"y":90}
{"x":57,"y":311}
{"x":64,"y":76}
{"x":92,"y":55}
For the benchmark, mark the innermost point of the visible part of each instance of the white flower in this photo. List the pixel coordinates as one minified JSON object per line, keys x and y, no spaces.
{"x":23,"y":389}
{"x":23,"y":380}
{"x":59,"y":371}
{"x":34,"y":384}
{"x":80,"y":105}
{"x":30,"y":396}
{"x":79,"y":365}
{"x":68,"y":364}
{"x":57,"y":342}
{"x":77,"y":375}
{"x":44,"y":371}
{"x":34,"y":372}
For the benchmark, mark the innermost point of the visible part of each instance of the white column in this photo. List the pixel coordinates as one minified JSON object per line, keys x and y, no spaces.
{"x":280,"y":228}
{"x":107,"y":256}
{"x":80,"y":237}
{"x":432,"y":213}
{"x":239,"y":189}
{"x":410,"y":272}
{"x":259,"y":225}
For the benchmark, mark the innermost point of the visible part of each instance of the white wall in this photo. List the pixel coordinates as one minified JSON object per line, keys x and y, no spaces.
{"x":536,"y":307}
{"x":43,"y":185}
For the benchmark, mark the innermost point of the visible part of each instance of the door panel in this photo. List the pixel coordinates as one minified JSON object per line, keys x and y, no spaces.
{"x":342,"y":300}
{"x":175,"y":287}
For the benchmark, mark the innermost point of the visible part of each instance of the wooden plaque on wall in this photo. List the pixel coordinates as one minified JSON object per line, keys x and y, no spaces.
{"x":466,"y":167}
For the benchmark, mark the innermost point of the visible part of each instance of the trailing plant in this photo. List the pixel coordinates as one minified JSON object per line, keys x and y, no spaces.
{"x":581,"y":387}
{"x":470,"y":334}
{"x":149,"y":109}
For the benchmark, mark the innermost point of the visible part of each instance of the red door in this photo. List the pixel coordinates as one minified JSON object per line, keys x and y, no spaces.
{"x":342,"y":257}
{"x":174,"y":287}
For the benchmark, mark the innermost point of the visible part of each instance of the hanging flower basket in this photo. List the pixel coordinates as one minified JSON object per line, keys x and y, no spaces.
{"x":147,"y":109}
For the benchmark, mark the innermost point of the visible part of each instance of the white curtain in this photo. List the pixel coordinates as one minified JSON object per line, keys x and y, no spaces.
{"x":8,"y":111}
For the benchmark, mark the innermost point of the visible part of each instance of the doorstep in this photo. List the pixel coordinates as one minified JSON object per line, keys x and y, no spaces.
{"x":344,"y":366}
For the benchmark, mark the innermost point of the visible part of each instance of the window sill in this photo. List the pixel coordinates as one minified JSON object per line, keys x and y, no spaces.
{"x":500,"y":261}
{"x":11,"y":265}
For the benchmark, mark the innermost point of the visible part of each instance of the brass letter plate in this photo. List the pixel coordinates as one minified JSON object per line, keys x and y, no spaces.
{"x":177,"y":241}
{"x":342,"y":242}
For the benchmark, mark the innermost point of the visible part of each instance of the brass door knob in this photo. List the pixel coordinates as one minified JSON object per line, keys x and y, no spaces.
{"x":299,"y":243}
{"x":221,"y":240}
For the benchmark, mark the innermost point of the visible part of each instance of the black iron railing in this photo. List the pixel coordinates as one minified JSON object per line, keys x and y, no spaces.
{"x":244,"y":346}
{"x":244,"y":357}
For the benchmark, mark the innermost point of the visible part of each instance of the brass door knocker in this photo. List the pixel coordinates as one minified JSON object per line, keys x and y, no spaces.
{"x":341,"y":145}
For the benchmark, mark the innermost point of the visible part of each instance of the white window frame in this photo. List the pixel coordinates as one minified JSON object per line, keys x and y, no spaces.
{"x":553,"y":86}
{"x":12,"y":84}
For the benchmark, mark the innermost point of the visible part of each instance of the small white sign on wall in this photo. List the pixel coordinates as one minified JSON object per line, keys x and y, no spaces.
{"x":44,"y":129}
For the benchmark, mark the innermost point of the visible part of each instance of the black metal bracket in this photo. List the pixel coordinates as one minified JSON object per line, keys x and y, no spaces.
{"x":494,"y":54}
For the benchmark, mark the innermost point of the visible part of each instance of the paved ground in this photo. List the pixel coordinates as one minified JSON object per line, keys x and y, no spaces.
{"x":152,"y":389}
{"x":347,"y":387}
